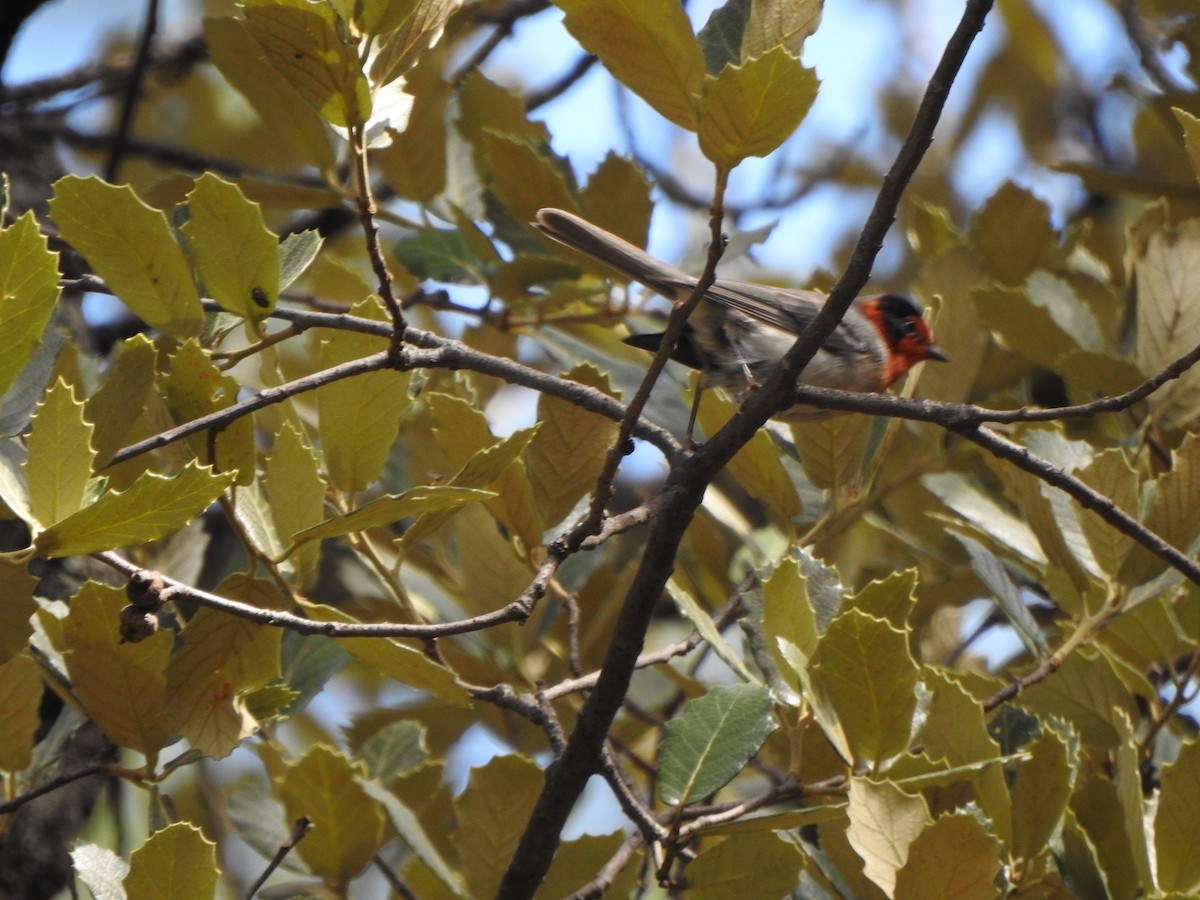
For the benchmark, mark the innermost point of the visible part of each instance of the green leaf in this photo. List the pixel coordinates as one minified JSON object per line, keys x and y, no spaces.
{"x":884,"y":823}
{"x":397,"y":748}
{"x":348,"y":825}
{"x":750,"y":109}
{"x":296,"y":253}
{"x":704,"y":624}
{"x":648,"y":46}
{"x":952,"y":859}
{"x":300,"y":41}
{"x":391,"y":508}
{"x":863,"y":669}
{"x":991,"y":572}
{"x":721,"y":36}
{"x":60,"y":459}
{"x":832,"y":450}
{"x":236,"y":256}
{"x":131,"y":246}
{"x":178,"y":862}
{"x":712,"y":740}
{"x":1177,"y":822}
{"x":291,"y":120}
{"x":440,"y":254}
{"x":745,"y":865}
{"x":121,"y":685}
{"x":28,"y":294}
{"x":151,"y":508}
{"x":20,"y":697}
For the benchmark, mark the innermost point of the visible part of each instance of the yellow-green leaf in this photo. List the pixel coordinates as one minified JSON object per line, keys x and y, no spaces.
{"x":786,"y":25}
{"x":176,"y":863}
{"x":414,"y":26}
{"x":119,"y":401}
{"x":295,"y":493}
{"x":301,"y":41}
{"x":648,"y":46}
{"x":863,"y":667}
{"x":745,"y":865}
{"x":492,"y":813}
{"x":1168,"y":318}
{"x":414,"y":164}
{"x":756,"y":467}
{"x":242,"y":61}
{"x":236,"y":256}
{"x":1087,"y":692}
{"x":832,"y":449}
{"x":884,"y":822}
{"x":749,"y":110}
{"x":566,"y":455}
{"x":388,"y":657}
{"x":60,"y":459}
{"x":1177,"y":822}
{"x":20,"y":696}
{"x":617,"y":198}
{"x":151,"y":508}
{"x":28,"y":294}
{"x":1043,"y":786}
{"x":524,"y":177}
{"x":1012,"y":233}
{"x":121,"y":685}
{"x":359,"y":417}
{"x":193,"y":387}
{"x":130,"y":245}
{"x":1191,"y":136}
{"x":16,"y":606}
{"x":348,"y":826}
{"x":223,"y":657}
{"x":393,"y":507}
{"x":952,"y":859}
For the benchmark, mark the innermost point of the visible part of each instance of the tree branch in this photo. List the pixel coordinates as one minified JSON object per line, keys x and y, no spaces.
{"x":684,"y":490}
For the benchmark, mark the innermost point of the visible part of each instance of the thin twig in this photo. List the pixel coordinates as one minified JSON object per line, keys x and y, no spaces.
{"x":513,"y":612}
{"x":596,"y":888}
{"x":10,"y":806}
{"x":133,"y":92}
{"x":302,"y":827}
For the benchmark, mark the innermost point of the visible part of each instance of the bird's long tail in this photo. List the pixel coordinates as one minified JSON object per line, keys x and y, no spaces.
{"x":614,"y":252}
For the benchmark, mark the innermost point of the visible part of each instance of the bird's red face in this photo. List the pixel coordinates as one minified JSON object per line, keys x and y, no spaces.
{"x":907,"y":336}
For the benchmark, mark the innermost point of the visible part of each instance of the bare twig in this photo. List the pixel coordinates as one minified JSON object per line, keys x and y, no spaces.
{"x":513,"y":612}
{"x":302,"y":827}
{"x":133,"y":91}
{"x":10,"y":806}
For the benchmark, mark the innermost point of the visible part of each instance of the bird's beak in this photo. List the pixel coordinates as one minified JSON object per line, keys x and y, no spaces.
{"x":933,"y":351}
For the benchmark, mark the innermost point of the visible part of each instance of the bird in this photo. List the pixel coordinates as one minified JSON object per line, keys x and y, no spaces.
{"x":741,"y":330}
